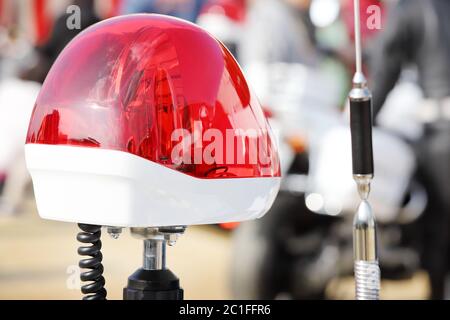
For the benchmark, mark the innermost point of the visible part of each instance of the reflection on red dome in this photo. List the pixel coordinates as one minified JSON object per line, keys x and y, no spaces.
{"x":129,"y":83}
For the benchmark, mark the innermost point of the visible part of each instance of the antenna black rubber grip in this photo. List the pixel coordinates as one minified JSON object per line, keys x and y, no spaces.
{"x":361,"y":130}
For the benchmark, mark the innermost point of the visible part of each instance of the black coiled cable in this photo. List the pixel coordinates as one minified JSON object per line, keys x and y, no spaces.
{"x":94,"y":290}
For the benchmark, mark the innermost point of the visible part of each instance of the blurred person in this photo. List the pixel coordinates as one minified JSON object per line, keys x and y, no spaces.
{"x":61,"y":34}
{"x":279,"y":31}
{"x":59,"y":38}
{"x":418,"y":33}
{"x":15,"y":50}
{"x":275,"y":32}
{"x":17,"y":98}
{"x":368,"y":34}
{"x":224,"y":19}
{"x":108,"y":9}
{"x":281,"y":56}
{"x":184,"y":9}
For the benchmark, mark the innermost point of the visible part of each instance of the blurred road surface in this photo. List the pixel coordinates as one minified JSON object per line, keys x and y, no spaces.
{"x":38,"y":259}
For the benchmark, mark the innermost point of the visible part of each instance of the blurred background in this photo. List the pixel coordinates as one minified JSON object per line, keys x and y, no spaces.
{"x":298,"y":56}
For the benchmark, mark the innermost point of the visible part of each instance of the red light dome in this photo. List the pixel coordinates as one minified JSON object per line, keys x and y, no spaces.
{"x":139,"y":84}
{"x":147,"y":120}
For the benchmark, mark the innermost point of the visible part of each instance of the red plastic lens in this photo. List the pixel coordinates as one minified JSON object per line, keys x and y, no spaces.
{"x":162,"y":89}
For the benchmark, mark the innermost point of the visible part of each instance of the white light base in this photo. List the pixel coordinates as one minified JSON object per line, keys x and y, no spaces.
{"x":114,"y":188}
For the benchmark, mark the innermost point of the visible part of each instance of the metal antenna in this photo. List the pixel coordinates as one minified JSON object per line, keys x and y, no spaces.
{"x":367,"y":271}
{"x":358,"y":53}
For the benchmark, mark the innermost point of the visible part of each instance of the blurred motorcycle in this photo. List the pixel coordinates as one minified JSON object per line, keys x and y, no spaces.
{"x":305,"y":241}
{"x":17,"y":98}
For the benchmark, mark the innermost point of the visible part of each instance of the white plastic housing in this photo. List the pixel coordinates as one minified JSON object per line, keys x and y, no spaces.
{"x":114,"y":188}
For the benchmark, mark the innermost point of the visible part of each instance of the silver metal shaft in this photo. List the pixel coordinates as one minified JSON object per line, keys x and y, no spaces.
{"x":367,"y":270}
{"x":154,"y":254}
{"x":364,"y":234}
{"x":358,"y":51}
